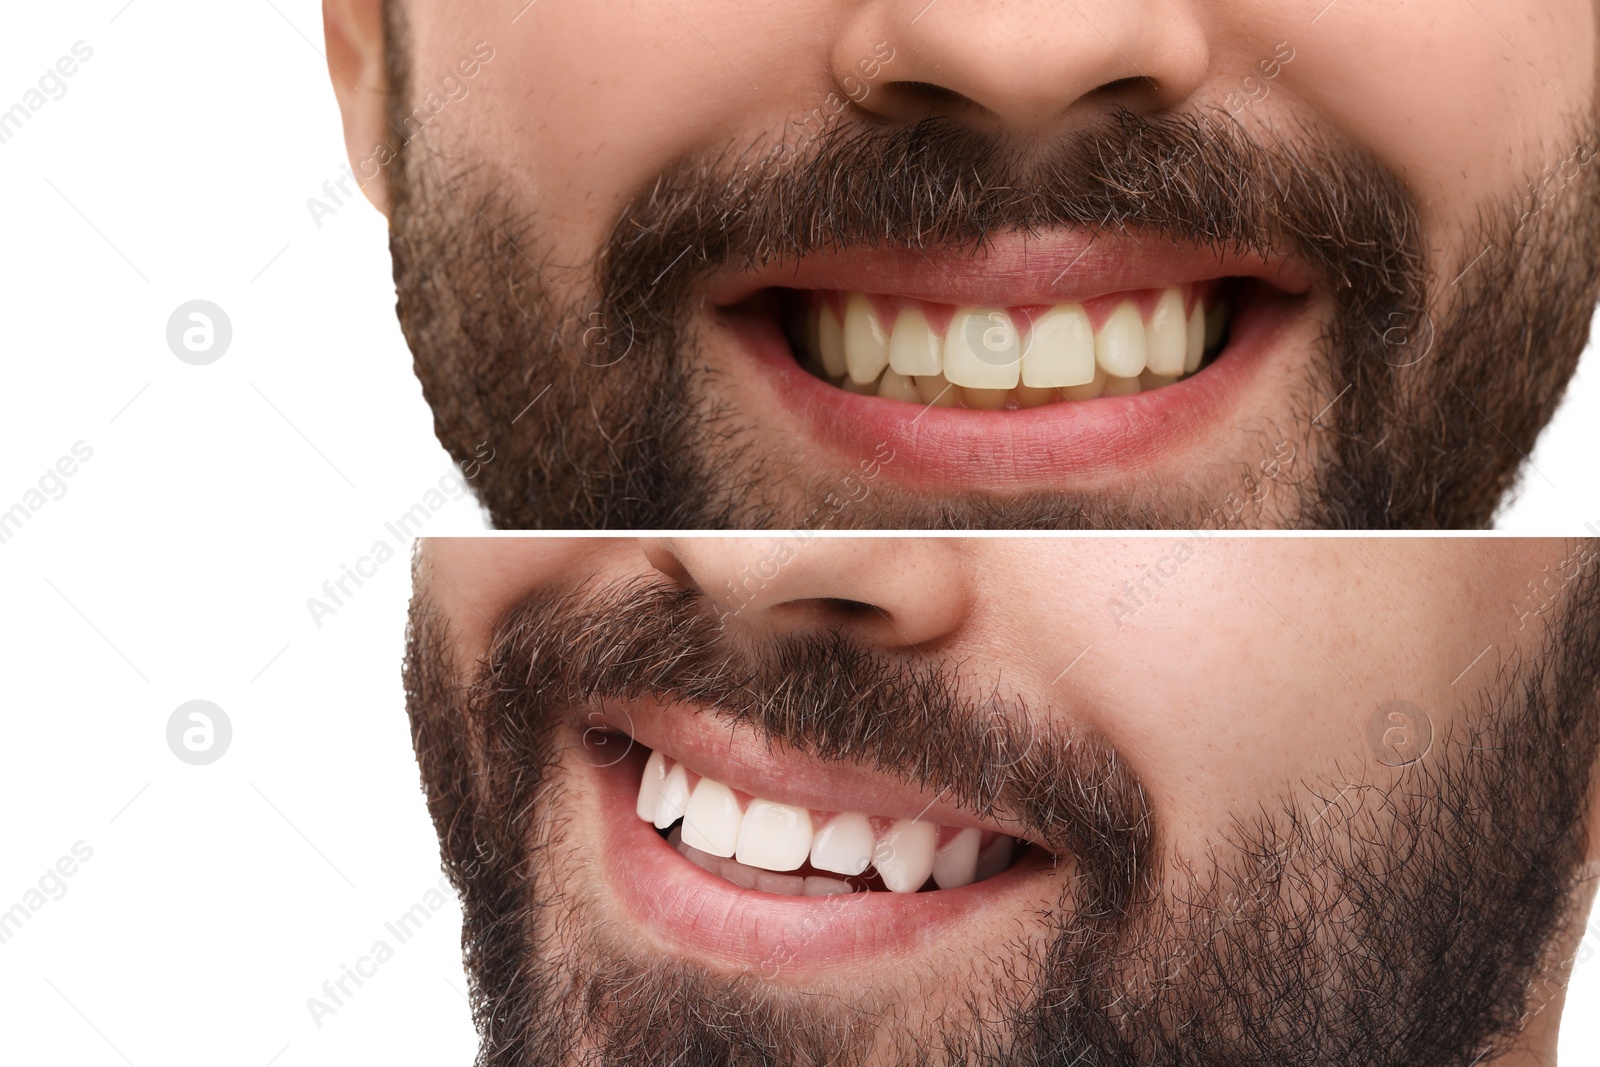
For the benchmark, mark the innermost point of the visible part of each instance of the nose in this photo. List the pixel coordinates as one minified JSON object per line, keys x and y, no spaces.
{"x":1024,"y":64}
{"x":891,"y":593}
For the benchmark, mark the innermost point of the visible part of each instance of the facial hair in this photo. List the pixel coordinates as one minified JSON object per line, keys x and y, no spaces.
{"x":1385,"y":916}
{"x":586,"y":386}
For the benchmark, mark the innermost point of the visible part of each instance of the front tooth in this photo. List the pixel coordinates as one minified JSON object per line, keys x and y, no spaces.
{"x":1035,"y":398}
{"x":904,"y":855}
{"x":1194,"y":339}
{"x":1166,"y":335}
{"x":1060,"y":349}
{"x":651,"y":786}
{"x":982,"y":350}
{"x":737,"y":873}
{"x":935,"y":389}
{"x":914,"y":348}
{"x":774,"y":836}
{"x":866,"y":346}
{"x":956,"y":864}
{"x":830,"y":341}
{"x":674,"y":797}
{"x":1119,"y":343}
{"x":896,"y":386}
{"x":711,"y":821}
{"x":844,"y":846}
{"x":995,"y":858}
{"x":825,"y":887}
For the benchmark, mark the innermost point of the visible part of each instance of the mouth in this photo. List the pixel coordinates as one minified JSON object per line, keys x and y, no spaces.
{"x":1039,"y":359}
{"x":740,"y":853}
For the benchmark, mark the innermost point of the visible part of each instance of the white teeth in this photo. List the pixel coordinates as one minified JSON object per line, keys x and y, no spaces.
{"x":1060,"y":349}
{"x":1194,"y":338}
{"x":904,"y":855}
{"x":774,"y":836}
{"x":1090,"y":390}
{"x":982,"y":349}
{"x":753,"y":848}
{"x":896,"y":386}
{"x":844,"y":846}
{"x":674,"y":798}
{"x":1119,"y":345}
{"x":914,"y":349}
{"x":1166,"y":335}
{"x":995,"y":857}
{"x":956,"y":864}
{"x":651,"y":786}
{"x":711,"y":821}
{"x":866,"y":346}
{"x":830,"y":341}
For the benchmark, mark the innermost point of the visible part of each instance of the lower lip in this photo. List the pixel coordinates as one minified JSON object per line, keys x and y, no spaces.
{"x":713,"y":920}
{"x":957,"y":449}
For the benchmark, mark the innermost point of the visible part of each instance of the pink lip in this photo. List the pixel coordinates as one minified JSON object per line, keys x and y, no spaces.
{"x":713,"y":921}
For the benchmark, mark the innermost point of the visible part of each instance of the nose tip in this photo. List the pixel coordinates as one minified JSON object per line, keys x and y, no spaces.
{"x":1024,"y":64}
{"x":891,"y":593}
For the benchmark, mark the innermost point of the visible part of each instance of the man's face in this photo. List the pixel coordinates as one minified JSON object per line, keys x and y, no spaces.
{"x":833,"y":801}
{"x":956,"y":263}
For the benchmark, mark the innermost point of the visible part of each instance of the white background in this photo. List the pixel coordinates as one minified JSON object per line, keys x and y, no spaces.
{"x":179,"y":560}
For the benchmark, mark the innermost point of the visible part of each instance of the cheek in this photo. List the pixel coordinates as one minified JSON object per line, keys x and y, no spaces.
{"x":1464,"y":104}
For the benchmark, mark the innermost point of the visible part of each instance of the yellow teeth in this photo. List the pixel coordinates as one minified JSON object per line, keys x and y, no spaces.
{"x":992,"y":359}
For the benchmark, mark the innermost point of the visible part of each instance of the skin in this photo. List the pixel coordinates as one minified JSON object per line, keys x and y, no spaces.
{"x":1309,"y":636}
{"x":583,"y":106}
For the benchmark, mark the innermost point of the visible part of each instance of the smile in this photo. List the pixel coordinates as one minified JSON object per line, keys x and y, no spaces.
{"x":723,"y":846}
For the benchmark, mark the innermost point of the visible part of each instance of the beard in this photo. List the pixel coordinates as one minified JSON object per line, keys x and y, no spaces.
{"x":1417,"y":407}
{"x":1401,"y":916}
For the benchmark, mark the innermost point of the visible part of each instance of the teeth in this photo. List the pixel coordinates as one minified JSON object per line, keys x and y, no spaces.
{"x":1060,"y":349}
{"x":775,"y":836}
{"x":995,"y":858}
{"x":844,"y":846}
{"x":989,"y":359}
{"x":1119,"y":346}
{"x":1166,"y":335}
{"x":896,"y":386}
{"x":956,"y":864}
{"x":711,"y":821}
{"x":1194,"y":339}
{"x":982,"y":349}
{"x":830,"y":342}
{"x":904,"y":855}
{"x":651,"y":787}
{"x":866,"y":346}
{"x":756,"y":847}
{"x":936,"y":389}
{"x":674,"y":798}
{"x":914,"y":349}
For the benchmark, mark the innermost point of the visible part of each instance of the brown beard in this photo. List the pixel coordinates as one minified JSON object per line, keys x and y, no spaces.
{"x":593,"y":403}
{"x":1399,"y":917}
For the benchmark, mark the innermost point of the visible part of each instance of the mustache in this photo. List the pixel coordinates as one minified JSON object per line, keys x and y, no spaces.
{"x":829,"y":697}
{"x":1200,"y":180}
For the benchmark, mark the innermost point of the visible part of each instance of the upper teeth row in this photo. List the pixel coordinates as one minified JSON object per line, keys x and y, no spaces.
{"x":782,"y":837}
{"x":987,"y":348}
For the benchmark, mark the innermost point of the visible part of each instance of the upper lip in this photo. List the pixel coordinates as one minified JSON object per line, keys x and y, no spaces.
{"x":1013,"y":269}
{"x":771,"y":770}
